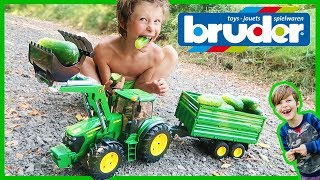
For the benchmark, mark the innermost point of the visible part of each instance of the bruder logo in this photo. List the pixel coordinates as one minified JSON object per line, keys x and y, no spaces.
{"x":243,"y":29}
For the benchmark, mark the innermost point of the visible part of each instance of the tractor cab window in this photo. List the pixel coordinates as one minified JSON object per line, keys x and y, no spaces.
{"x":124,"y":107}
{"x":142,"y":110}
{"x":137,"y":111}
{"x":133,"y":110}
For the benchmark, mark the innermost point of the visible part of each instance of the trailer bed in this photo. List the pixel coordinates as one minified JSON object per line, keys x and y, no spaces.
{"x":204,"y":121}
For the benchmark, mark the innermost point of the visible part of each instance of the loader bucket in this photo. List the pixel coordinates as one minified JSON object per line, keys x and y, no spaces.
{"x":47,"y":66}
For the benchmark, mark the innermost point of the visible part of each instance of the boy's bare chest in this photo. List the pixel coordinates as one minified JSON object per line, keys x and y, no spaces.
{"x":129,"y":66}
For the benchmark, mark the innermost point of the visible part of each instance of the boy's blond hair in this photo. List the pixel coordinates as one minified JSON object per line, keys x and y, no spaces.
{"x":125,"y":9}
{"x":282,"y":92}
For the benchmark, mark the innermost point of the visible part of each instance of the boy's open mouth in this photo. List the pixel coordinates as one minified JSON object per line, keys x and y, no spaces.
{"x":142,"y":41}
{"x":286,"y":111}
{"x":147,"y":37}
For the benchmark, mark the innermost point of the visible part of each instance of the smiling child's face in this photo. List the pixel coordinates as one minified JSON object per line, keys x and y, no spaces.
{"x":287,"y":108}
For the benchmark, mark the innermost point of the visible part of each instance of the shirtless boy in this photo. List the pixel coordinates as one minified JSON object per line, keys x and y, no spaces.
{"x":144,"y":68}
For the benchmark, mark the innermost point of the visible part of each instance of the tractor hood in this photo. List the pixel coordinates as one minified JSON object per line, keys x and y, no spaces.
{"x":84,"y":126}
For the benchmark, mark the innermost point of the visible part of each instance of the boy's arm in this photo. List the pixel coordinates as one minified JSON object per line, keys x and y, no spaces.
{"x":153,"y":79}
{"x":283,"y":136}
{"x":289,"y":154}
{"x":314,"y":146}
{"x":101,"y":61}
{"x":145,"y":82}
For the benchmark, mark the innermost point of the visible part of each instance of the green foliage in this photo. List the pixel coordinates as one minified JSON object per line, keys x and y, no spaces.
{"x":95,"y":18}
{"x":294,"y":64}
{"x":259,"y":64}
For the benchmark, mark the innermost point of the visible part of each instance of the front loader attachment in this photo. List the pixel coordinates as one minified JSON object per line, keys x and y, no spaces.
{"x":48,"y":68}
{"x":82,"y":43}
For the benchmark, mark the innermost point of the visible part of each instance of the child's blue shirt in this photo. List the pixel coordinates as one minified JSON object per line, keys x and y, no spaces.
{"x":307,"y":132}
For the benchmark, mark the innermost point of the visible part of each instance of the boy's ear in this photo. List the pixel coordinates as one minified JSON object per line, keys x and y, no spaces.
{"x":122,"y":24}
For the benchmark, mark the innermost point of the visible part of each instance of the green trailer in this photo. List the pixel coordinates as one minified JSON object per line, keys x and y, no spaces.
{"x":225,"y":132}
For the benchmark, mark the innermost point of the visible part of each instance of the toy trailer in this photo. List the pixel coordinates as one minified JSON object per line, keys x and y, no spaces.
{"x":225,"y":132}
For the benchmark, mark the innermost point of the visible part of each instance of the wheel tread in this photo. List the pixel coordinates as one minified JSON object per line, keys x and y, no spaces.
{"x":94,"y":158}
{"x":144,"y":144}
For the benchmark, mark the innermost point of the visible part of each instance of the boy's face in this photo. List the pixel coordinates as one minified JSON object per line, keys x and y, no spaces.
{"x":145,"y":20}
{"x":287,"y":108}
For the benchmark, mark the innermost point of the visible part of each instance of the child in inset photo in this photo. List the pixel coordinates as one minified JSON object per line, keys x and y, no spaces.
{"x":299,"y":134}
{"x":146,"y":68}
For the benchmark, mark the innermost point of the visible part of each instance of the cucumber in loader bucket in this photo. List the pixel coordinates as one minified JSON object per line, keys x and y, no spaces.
{"x":127,"y":131}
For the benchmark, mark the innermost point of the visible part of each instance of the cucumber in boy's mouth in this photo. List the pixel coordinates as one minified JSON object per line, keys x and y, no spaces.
{"x":141,"y":42}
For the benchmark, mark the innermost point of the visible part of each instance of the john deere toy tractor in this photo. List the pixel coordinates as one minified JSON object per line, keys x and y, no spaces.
{"x":114,"y":131}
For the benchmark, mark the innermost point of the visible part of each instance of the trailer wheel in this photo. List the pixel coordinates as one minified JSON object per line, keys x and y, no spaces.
{"x":105,"y":159}
{"x":154,"y":143}
{"x":220,"y":149}
{"x":237,"y":150}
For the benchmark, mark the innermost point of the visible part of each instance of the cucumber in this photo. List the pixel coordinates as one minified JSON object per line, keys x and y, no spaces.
{"x":226,"y":106}
{"x":250,"y":102}
{"x":115,"y":77}
{"x":210,"y":100}
{"x":256,"y":111}
{"x":233,"y":101}
{"x":141,"y":42}
{"x":66,"y":52}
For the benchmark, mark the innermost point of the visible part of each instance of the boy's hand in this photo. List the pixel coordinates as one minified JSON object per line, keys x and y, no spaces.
{"x":107,"y":85}
{"x":302,"y":149}
{"x":290,"y":155}
{"x":119,"y":85}
{"x":160,"y":86}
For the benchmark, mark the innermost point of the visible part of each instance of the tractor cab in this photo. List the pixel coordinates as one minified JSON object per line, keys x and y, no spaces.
{"x":135,"y":105}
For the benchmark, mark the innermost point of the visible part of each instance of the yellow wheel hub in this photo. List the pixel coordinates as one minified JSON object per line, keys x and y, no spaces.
{"x":221,"y":151}
{"x":237,"y":152}
{"x":109,"y":162}
{"x":159,"y":144}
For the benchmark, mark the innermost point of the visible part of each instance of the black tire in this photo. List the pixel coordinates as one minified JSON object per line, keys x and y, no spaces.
{"x":154,"y":144}
{"x":105,"y":159}
{"x":236,"y":150}
{"x":219,"y":149}
{"x":81,"y":164}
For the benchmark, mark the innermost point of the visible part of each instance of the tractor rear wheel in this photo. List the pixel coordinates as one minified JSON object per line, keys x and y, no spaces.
{"x":237,"y":150}
{"x":154,"y":143}
{"x":220,"y":149}
{"x":105,"y":159}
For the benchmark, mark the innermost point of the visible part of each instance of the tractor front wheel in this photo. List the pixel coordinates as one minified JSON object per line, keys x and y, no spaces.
{"x":154,"y":143}
{"x":105,"y":159}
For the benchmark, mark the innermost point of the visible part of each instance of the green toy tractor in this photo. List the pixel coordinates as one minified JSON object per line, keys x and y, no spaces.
{"x":115,"y":131}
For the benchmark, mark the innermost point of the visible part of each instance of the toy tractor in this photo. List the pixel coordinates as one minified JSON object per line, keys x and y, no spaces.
{"x":123,"y":128}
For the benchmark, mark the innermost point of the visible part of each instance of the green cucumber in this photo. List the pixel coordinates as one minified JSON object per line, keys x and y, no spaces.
{"x":66,"y":52}
{"x":256,"y":111}
{"x":233,"y":101}
{"x":250,"y":102}
{"x":226,"y":106}
{"x":210,"y":100}
{"x":141,"y":42}
{"x":115,"y":77}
